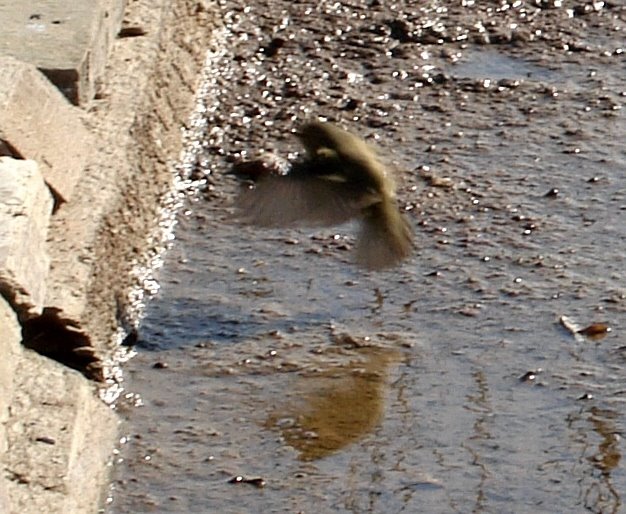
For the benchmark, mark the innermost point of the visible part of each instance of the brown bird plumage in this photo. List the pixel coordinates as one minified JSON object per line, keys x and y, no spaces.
{"x":340,"y":179}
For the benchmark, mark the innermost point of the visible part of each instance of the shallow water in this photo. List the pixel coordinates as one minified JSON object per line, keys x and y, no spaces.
{"x":268,"y":355}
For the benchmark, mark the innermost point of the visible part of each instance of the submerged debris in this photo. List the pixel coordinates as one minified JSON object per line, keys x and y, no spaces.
{"x":531,"y":375}
{"x":255,"y":481}
{"x":594,"y":331}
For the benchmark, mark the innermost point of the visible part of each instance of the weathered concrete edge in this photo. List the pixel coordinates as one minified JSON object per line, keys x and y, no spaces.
{"x":38,"y":122}
{"x":25,"y":210}
{"x":140,"y":140}
{"x":10,"y":353}
{"x":56,"y":436}
{"x":138,"y":122}
{"x":59,"y":438}
{"x":68,"y":41}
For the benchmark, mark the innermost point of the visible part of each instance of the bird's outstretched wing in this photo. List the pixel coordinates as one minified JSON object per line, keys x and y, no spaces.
{"x":341,"y":178}
{"x":385,"y":238}
{"x":297,"y":200}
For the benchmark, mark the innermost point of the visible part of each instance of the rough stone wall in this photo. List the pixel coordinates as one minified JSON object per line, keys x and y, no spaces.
{"x":186,"y":28}
{"x":79,"y":192}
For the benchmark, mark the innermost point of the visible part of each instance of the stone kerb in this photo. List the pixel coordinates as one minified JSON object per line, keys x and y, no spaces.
{"x":25,"y":209}
{"x":37,"y":122}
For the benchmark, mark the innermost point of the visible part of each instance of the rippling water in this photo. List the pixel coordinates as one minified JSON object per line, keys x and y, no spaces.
{"x":452,"y":384}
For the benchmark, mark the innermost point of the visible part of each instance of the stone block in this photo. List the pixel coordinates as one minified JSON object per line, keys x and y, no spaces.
{"x":36,"y":122}
{"x":25,"y":209}
{"x":10,"y":351}
{"x":60,"y":437}
{"x":68,"y":41}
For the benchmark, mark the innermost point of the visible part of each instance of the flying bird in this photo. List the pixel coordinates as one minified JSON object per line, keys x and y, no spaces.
{"x":340,"y":179}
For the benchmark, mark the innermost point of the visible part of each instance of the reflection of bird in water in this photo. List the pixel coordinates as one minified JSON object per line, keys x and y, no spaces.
{"x":340,"y":179}
{"x":335,"y":407}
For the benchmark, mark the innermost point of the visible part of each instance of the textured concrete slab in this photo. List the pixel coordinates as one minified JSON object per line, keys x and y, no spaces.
{"x":96,"y":240}
{"x":36,"y":122}
{"x":60,"y":437}
{"x":68,"y":41}
{"x":111,"y":164}
{"x":25,"y":209}
{"x":10,"y":351}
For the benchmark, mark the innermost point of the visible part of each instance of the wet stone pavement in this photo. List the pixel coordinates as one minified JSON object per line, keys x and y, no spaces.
{"x":272,"y":375}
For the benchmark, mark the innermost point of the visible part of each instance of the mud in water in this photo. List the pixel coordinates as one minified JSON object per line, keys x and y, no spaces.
{"x":486,"y":374}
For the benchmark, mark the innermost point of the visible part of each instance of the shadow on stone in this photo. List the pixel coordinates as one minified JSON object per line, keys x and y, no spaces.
{"x":8,"y":150}
{"x":62,"y":340}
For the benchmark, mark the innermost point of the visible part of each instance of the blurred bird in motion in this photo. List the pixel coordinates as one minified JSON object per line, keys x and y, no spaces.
{"x":340,"y":178}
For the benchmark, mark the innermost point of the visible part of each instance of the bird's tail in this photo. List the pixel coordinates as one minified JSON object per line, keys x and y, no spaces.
{"x":385,"y":238}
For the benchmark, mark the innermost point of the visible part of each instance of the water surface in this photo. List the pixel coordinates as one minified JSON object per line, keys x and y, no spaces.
{"x":448,"y":384}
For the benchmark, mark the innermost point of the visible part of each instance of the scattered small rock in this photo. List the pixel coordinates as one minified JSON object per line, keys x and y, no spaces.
{"x":45,"y":439}
{"x":255,"y":481}
{"x":595,"y":330}
{"x":531,"y":375}
{"x":134,"y":31}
